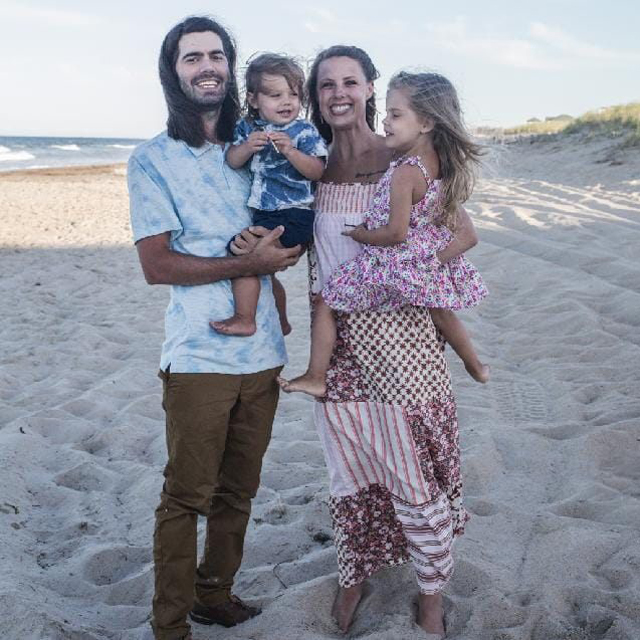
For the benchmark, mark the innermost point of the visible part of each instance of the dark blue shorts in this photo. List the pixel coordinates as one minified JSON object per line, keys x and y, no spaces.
{"x":297,"y":223}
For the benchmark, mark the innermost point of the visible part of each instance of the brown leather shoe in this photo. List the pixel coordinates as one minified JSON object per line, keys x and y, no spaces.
{"x":228,"y":614}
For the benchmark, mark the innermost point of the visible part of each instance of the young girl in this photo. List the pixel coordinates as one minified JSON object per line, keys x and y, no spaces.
{"x":286,"y":154}
{"x":409,"y":223}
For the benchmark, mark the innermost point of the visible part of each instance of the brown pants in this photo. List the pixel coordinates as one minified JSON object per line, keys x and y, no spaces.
{"x":218,"y":428}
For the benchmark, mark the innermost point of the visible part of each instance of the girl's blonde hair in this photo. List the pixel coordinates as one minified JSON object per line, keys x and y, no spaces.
{"x":433,"y":97}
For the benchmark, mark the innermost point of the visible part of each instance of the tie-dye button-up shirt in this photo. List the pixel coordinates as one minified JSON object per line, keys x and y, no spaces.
{"x":277,"y":184}
{"x":193,"y":194}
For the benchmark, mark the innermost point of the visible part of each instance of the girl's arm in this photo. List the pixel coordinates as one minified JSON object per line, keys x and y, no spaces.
{"x":239,"y":154}
{"x":464,"y":239}
{"x":405,"y":185}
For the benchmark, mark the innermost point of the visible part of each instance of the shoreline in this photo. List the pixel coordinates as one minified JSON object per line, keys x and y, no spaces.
{"x":67,"y":170}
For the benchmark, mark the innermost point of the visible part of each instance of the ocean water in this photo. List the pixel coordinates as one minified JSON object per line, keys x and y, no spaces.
{"x":39,"y":153}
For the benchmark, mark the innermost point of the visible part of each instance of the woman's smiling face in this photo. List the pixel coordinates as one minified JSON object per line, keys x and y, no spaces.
{"x":343,"y":92}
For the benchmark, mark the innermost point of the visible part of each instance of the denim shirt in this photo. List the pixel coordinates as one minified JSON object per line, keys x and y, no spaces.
{"x":193,"y":194}
{"x":277,"y":184}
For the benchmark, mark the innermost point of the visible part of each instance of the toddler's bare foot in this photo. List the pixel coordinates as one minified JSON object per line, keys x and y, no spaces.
{"x":479,"y":372}
{"x":307,"y":383}
{"x":431,"y":615}
{"x":235,"y":326}
{"x":345,"y":605}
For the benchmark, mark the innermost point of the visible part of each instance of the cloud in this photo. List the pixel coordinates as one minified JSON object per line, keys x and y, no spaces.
{"x":511,"y":52}
{"x":58,"y":17}
{"x":545,"y":48}
{"x":575,"y":48}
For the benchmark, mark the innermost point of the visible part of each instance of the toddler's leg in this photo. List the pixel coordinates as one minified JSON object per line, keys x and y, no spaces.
{"x":323,"y":338}
{"x":245,"y":297}
{"x":456,"y":335}
{"x":280,"y":296}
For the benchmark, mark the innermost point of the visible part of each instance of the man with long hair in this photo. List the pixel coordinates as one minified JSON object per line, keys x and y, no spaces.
{"x":219,"y":392}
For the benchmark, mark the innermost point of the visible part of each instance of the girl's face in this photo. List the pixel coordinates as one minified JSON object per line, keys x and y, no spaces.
{"x":403,"y":128}
{"x":276,"y":101}
{"x":343,"y":92}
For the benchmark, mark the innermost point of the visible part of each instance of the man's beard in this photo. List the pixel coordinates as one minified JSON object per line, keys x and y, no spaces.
{"x":211,"y":102}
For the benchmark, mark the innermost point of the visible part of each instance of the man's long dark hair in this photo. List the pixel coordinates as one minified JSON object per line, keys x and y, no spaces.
{"x":185,"y":117}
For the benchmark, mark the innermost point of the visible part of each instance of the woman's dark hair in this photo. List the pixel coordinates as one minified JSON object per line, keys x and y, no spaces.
{"x":274,"y":64}
{"x":185,"y":117}
{"x":370,"y":73}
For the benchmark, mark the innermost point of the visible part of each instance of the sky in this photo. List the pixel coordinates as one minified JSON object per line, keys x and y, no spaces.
{"x":86,"y":68}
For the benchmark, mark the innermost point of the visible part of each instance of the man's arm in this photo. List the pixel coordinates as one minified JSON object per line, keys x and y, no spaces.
{"x":162,"y":265}
{"x":464,"y":239}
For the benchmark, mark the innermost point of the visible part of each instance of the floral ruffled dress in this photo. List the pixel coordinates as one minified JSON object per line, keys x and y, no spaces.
{"x":408,"y":273}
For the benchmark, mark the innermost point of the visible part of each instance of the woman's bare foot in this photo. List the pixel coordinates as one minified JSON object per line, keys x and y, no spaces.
{"x":307,"y":383}
{"x":235,"y":326}
{"x":479,"y":372}
{"x":431,"y":615}
{"x":345,"y":605}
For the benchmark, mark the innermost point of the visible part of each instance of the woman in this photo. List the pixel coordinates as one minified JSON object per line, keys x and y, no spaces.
{"x":388,"y":422}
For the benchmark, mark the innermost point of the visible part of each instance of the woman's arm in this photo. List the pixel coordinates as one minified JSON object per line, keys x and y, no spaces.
{"x":404,"y":186}
{"x":465,"y":238}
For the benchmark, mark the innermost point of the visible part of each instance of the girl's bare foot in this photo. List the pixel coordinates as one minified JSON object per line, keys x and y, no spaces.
{"x":431,"y":615}
{"x":285,"y":326}
{"x":345,"y":605}
{"x":307,"y":383}
{"x":235,"y":326}
{"x":479,"y":372}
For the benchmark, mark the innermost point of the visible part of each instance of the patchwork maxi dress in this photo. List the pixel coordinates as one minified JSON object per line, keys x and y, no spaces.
{"x":388,"y":423}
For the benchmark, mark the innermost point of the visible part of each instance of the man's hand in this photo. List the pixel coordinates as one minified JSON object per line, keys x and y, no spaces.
{"x":269,"y":256}
{"x":246,"y":241}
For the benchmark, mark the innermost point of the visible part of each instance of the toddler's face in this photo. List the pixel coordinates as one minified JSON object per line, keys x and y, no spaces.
{"x":276,"y":101}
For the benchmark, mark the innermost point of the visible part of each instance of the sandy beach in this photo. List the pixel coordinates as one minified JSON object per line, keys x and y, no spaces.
{"x":551,"y":446}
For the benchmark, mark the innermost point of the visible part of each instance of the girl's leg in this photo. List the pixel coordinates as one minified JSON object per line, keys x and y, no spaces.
{"x":280,"y":296}
{"x":245,"y":297}
{"x":456,"y":335}
{"x":323,"y":338}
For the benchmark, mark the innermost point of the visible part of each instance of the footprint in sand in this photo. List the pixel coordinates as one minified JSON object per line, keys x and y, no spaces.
{"x":115,"y":564}
{"x":521,"y":401}
{"x":85,"y":477}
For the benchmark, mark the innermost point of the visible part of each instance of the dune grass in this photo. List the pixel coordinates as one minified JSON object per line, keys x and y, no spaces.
{"x":538,"y":128}
{"x":618,"y":121}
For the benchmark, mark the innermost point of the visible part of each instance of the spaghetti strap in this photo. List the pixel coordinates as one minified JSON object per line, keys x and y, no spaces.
{"x":415,"y":161}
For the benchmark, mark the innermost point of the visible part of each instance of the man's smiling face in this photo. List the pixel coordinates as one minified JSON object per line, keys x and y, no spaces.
{"x":202,"y":68}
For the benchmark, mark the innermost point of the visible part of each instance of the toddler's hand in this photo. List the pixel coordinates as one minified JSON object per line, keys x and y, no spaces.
{"x":257,"y":141}
{"x":282,"y":142}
